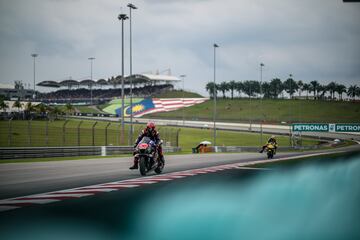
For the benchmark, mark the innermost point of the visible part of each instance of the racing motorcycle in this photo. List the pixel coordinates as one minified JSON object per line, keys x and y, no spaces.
{"x":146,"y":152}
{"x":270,"y":150}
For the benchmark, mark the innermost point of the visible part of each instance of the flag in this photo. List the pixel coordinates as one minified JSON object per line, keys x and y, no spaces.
{"x":155,"y":105}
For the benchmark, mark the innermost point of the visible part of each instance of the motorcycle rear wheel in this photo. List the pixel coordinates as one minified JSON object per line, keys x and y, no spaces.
{"x":159,"y":169}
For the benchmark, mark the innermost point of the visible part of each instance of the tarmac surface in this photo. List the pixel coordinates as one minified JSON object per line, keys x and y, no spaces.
{"x":314,"y":199}
{"x":21,"y":179}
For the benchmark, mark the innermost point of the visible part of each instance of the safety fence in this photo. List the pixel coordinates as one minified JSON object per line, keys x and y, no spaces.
{"x":41,"y":152}
{"x":74,"y":132}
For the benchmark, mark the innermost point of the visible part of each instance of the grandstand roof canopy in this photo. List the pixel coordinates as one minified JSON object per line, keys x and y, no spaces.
{"x":87,"y":82}
{"x":152,"y":78}
{"x":69,"y":83}
{"x":136,"y":79}
{"x":49,"y":84}
{"x":102,"y":82}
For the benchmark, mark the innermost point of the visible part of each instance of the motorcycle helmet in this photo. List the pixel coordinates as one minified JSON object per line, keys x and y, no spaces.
{"x":150,"y":125}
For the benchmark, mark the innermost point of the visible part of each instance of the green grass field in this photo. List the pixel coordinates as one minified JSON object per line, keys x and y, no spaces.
{"x":24,"y":136}
{"x":190,"y":138}
{"x":82,"y":109}
{"x":87,"y":109}
{"x":270,"y":111}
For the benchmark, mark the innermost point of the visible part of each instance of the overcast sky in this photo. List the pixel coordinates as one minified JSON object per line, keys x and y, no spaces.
{"x":311,"y":39}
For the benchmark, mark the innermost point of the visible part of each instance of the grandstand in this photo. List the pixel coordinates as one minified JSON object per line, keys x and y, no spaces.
{"x":85,"y":91}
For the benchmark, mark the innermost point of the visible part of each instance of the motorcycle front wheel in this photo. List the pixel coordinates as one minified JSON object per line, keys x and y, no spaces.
{"x":142,"y":166}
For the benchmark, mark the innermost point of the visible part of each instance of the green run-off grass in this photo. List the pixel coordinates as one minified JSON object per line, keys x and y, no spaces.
{"x":270,"y":111}
{"x":34,"y":135}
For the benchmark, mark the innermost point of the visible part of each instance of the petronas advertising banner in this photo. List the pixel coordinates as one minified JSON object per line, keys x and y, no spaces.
{"x":310,"y":127}
{"x":326,"y":127}
{"x":347,"y":127}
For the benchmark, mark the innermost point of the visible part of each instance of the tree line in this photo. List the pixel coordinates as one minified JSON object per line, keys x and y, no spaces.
{"x":42,"y":109}
{"x":276,"y":88}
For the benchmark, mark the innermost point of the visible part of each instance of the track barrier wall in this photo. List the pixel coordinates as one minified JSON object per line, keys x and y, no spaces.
{"x":40,"y":152}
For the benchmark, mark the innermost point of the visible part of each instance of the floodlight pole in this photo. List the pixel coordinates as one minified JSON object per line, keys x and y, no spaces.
{"x":34,"y":55}
{"x":91,"y":77}
{"x":215,"y":46}
{"x":131,"y":6}
{"x":290,"y":111}
{"x":122,"y":17}
{"x":261,"y":105}
{"x":183,"y":90}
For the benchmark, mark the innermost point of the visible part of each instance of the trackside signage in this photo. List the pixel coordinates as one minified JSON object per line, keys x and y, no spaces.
{"x":347,"y":127}
{"x":322,"y":127}
{"x":310,"y":127}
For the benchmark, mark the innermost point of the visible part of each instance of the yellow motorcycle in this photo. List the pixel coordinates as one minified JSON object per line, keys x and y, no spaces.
{"x":270,"y":150}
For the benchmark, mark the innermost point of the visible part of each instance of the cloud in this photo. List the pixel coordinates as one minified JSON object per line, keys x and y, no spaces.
{"x":310,"y":39}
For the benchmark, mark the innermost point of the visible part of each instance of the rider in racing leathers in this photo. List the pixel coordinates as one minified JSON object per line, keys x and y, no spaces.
{"x":272,"y":140}
{"x":154,"y":135}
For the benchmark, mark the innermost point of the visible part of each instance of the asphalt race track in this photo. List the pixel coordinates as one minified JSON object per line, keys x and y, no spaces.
{"x":21,"y":179}
{"x":315,"y":199}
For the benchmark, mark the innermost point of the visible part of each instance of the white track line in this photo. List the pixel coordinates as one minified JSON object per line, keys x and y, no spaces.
{"x":131,"y":182}
{"x":58,"y":195}
{"x":30,"y":201}
{"x":253,"y":168}
{"x":6,"y":208}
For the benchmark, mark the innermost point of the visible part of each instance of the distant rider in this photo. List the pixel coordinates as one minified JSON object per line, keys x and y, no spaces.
{"x":154,"y":135}
{"x":272,"y":141}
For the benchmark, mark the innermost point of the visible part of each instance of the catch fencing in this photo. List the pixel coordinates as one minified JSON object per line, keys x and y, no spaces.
{"x":61,"y":133}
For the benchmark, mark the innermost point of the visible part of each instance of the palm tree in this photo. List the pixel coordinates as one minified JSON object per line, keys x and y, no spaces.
{"x":306,"y":87}
{"x":300,"y":87}
{"x":290,"y":86}
{"x":276,"y":87}
{"x":314,"y":87}
{"x":224,"y":87}
{"x":332,"y":88}
{"x":247,"y":88}
{"x":239,"y":87}
{"x":232,"y":87}
{"x":55,"y":111}
{"x":69,"y":108}
{"x":251,"y":87}
{"x":17,"y":104}
{"x":340,"y":89}
{"x":211,"y":88}
{"x":323,"y":89}
{"x":265,"y":86}
{"x":357,"y":92}
{"x":29,"y":107}
{"x":3,"y":105}
{"x":352,"y":91}
{"x":255,"y":86}
{"x":41,"y":108}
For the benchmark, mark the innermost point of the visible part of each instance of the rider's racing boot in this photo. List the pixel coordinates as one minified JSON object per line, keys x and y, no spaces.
{"x":136,"y":164}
